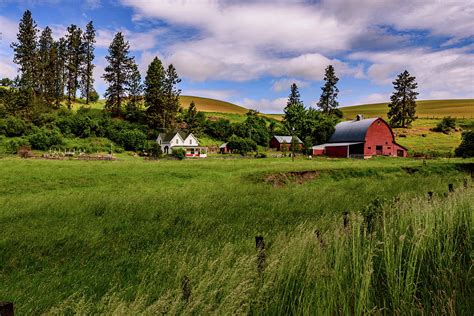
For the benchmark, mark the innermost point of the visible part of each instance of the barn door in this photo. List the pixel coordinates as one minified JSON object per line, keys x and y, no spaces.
{"x":378,"y":150}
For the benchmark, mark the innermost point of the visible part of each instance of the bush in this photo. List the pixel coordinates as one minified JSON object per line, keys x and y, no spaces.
{"x":466,"y":149}
{"x":43,"y":139}
{"x":94,"y":96}
{"x":13,"y":127}
{"x":241,"y":145}
{"x":133,"y":139}
{"x":446,"y":125}
{"x":13,"y":145}
{"x":179,"y":153}
{"x":25,"y":152}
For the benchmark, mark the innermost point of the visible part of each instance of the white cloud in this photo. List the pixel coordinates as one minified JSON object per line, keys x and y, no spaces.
{"x":138,"y":41}
{"x":435,"y":71}
{"x":284,"y":84}
{"x":265,"y":105}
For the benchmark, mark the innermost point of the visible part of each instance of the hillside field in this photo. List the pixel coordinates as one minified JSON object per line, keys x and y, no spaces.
{"x":135,"y":236}
{"x":458,"y":108}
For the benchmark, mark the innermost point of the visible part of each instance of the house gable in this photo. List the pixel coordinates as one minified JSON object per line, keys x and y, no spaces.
{"x":191,"y":141}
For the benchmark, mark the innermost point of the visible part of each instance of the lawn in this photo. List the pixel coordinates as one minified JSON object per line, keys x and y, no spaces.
{"x":124,"y":236}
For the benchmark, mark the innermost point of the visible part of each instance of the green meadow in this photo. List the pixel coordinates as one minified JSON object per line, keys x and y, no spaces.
{"x":178,"y":237}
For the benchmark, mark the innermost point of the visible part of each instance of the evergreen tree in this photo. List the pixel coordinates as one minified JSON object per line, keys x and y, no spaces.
{"x":294,"y":112}
{"x":155,"y":96}
{"x":25,"y":53}
{"x":60,"y":70}
{"x":117,"y":73}
{"x":74,"y":59}
{"x":194,"y":119}
{"x":87,"y":71}
{"x":135,"y":90}
{"x":402,"y":106}
{"x":327,"y":101}
{"x":46,"y":55}
{"x":171,"y":94}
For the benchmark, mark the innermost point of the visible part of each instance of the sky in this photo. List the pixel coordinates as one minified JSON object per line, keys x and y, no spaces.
{"x":250,"y":52}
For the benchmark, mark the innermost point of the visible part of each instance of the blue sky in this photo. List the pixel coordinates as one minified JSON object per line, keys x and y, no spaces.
{"x":249,"y":52}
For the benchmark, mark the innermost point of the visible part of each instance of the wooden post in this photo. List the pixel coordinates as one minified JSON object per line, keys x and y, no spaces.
{"x":450,"y":187}
{"x":466,"y":184}
{"x":260,"y":246}
{"x":6,"y":309}
{"x":186,"y":288}
{"x":430,"y":195}
{"x":317,"y":233}
{"x":346,"y":219}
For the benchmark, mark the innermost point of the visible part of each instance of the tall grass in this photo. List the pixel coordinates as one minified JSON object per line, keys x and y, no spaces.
{"x":403,"y":256}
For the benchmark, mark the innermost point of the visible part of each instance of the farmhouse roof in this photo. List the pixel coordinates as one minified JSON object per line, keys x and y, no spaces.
{"x":351,"y":131}
{"x":166,"y":137}
{"x":223,"y":145}
{"x":286,"y":139}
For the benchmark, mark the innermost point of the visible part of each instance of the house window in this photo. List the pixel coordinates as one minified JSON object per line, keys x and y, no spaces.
{"x":378,"y":147}
{"x":177,"y":141}
{"x":160,"y":141}
{"x":190,"y":141}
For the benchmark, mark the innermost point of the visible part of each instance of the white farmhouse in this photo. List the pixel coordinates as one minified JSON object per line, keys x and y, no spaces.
{"x":179,"y":139}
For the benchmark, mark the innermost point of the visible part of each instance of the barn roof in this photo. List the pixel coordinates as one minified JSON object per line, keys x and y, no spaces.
{"x":286,"y":139}
{"x":223,"y":145}
{"x":323,"y":146}
{"x":351,"y":131}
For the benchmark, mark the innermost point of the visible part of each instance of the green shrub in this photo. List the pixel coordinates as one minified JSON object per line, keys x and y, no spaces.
{"x":179,"y":153}
{"x":94,"y":96}
{"x":132,"y":139}
{"x":12,"y":145}
{"x":44,"y":138}
{"x":446,"y":125}
{"x":13,"y":126}
{"x":241,"y":145}
{"x":466,"y":149}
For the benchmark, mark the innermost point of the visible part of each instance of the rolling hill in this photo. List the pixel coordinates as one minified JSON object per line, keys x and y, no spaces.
{"x":211,"y":105}
{"x":459,"y":108}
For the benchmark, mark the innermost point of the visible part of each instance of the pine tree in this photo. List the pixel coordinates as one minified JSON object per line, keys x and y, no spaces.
{"x":171,"y":94}
{"x":26,"y":53}
{"x":402,"y":106}
{"x":135,"y":90}
{"x":294,"y":111}
{"x":60,"y":70}
{"x":327,"y":101}
{"x":74,"y":59}
{"x":87,"y":71}
{"x":155,"y":96}
{"x":46,"y":55}
{"x":117,"y":73}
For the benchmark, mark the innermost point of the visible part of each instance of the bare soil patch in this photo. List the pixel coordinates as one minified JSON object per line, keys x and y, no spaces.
{"x":280,"y":179}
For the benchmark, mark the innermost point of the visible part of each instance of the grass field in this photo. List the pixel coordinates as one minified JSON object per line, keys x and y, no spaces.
{"x":461,"y":108}
{"x":211,"y":105}
{"x":135,"y":236}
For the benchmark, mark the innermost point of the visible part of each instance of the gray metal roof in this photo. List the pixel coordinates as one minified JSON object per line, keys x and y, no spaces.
{"x":286,"y":139}
{"x":351,"y":131}
{"x":223,"y":145}
{"x":336,"y":145}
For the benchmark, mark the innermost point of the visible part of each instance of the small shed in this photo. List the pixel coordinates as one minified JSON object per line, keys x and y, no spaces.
{"x":279,"y":141}
{"x":224,"y":149}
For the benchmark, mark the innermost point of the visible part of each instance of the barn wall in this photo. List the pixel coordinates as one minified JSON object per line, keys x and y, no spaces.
{"x":274,"y":143}
{"x":318,"y":152}
{"x":379,"y":134}
{"x":336,"y":151}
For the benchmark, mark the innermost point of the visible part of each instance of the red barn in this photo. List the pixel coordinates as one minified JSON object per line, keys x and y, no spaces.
{"x":279,"y":141}
{"x":361,"y":138}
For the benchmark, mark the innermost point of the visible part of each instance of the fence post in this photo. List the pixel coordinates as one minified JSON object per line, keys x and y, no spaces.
{"x":466,"y":184}
{"x":346,"y":219}
{"x":430,"y":195}
{"x":6,"y":309}
{"x":186,"y":288}
{"x":260,"y":246}
{"x":317,"y":233}
{"x":450,"y":187}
